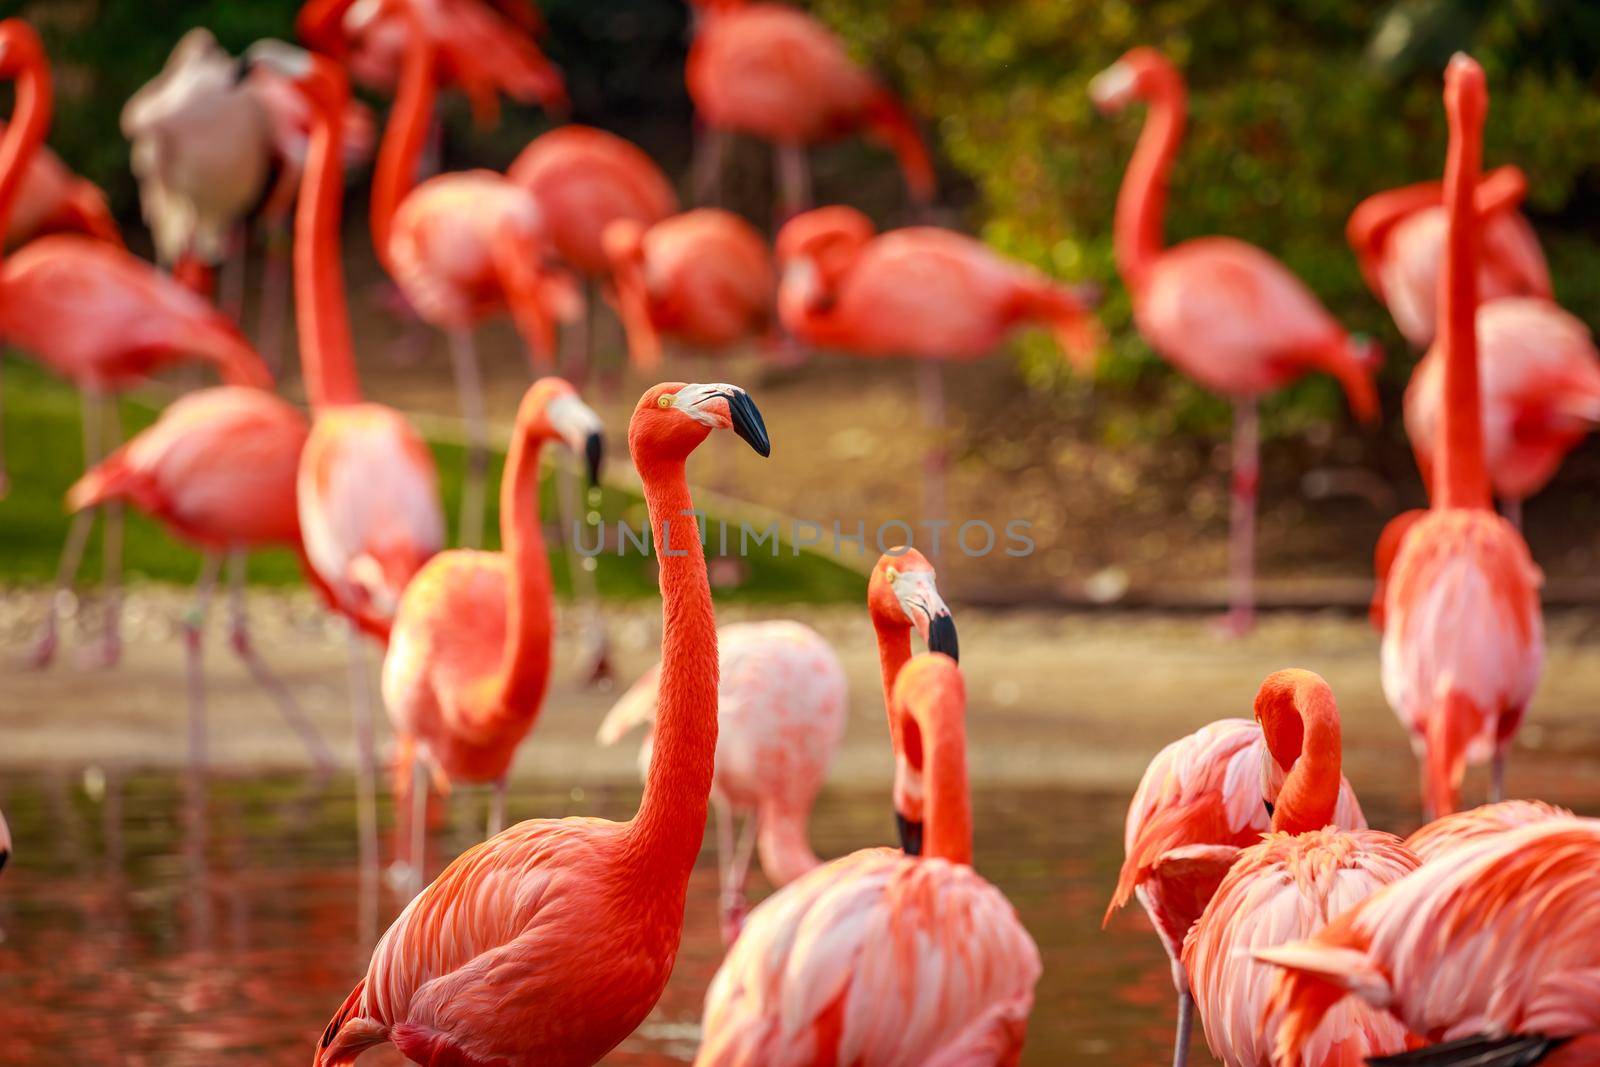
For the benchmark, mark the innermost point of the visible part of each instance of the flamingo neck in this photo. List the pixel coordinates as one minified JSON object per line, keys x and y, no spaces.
{"x":30,"y":121}
{"x":1303,"y":734}
{"x":525,"y":665}
{"x":1463,"y":479}
{"x":403,"y":137}
{"x":327,"y":359}
{"x":894,"y":651}
{"x":672,"y":812}
{"x":1137,"y":231}
{"x":939,"y":720}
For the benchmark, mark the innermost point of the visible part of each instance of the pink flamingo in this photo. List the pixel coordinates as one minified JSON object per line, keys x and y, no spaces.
{"x":366,"y":489}
{"x":1287,"y":885}
{"x":1463,"y":643}
{"x":97,"y":316}
{"x":781,"y":708}
{"x":923,"y":292}
{"x":1444,"y":835}
{"x":1398,"y":239}
{"x":469,"y":653}
{"x":777,"y":73}
{"x":52,"y":199}
{"x":883,"y":957}
{"x":550,"y":942}
{"x":1203,"y":798}
{"x":1222,"y":311}
{"x":704,"y":278}
{"x":218,"y":469}
{"x":1490,"y":952}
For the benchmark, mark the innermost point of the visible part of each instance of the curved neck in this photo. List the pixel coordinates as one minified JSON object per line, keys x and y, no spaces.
{"x":403,"y":137}
{"x":1137,"y":231}
{"x":894,"y":651}
{"x":1462,"y":480}
{"x":525,"y":663}
{"x":327,"y":359}
{"x":30,"y":120}
{"x":947,"y":811}
{"x":672,"y":812}
{"x":1303,"y":734}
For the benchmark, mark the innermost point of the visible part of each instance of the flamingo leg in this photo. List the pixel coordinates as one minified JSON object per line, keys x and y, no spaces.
{"x":577,"y":343}
{"x":497,"y":808}
{"x":930,"y":390}
{"x":1497,"y":776}
{"x":1180,"y":1048}
{"x":264,"y":676}
{"x":366,"y":774}
{"x":111,"y":555}
{"x":1242,"y":518}
{"x":1512,"y":510}
{"x":708,"y":151}
{"x":231,"y":279}
{"x":273,"y":312}
{"x":61,"y":598}
{"x":733,"y":898}
{"x":794,"y":180}
{"x":469,"y":386}
{"x":194,"y":627}
{"x":418,"y":866}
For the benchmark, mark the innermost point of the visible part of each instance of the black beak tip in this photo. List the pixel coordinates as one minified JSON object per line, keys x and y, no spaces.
{"x":910,"y":834}
{"x":942,"y":637}
{"x":748,"y":424}
{"x":593,"y":453}
{"x":4,"y":856}
{"x":1271,"y":808}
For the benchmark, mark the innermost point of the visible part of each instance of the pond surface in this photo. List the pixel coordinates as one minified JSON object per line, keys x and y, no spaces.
{"x":138,"y":926}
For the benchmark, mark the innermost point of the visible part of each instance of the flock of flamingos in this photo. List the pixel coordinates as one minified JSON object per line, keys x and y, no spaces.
{"x":1298,"y":935}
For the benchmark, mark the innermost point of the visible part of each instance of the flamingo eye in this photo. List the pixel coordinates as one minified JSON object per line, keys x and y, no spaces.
{"x":666,"y":400}
{"x":891,"y":574}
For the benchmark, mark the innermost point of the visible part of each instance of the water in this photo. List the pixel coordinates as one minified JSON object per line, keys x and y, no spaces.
{"x":139,"y":925}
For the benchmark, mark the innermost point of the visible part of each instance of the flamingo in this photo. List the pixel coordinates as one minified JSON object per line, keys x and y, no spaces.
{"x":781,"y":709}
{"x":1222,"y":311}
{"x":550,"y":942}
{"x":1398,"y":239}
{"x":1287,"y":886}
{"x":97,"y":316}
{"x":921,"y":291}
{"x":367,"y":493}
{"x":882,"y":957}
{"x":704,"y":277}
{"x":778,"y":74}
{"x":1203,"y":798}
{"x":1463,"y":642}
{"x":218,"y":469}
{"x":1489,"y":952}
{"x":1450,"y":832}
{"x":52,"y":199}
{"x":468,"y":662}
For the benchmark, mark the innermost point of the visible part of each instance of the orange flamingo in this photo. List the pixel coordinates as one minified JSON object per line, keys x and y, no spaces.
{"x":704,"y":278}
{"x":883,"y":957}
{"x":1490,"y":952}
{"x":1222,"y":311}
{"x":781,"y":709}
{"x":52,"y":199}
{"x":550,"y":942}
{"x":1398,"y":239}
{"x":469,"y":653}
{"x":778,"y":74}
{"x":1463,"y":642}
{"x":1202,"y":799}
{"x":1445,"y":835}
{"x":366,"y":489}
{"x":1286,"y":886}
{"x":94,"y":314}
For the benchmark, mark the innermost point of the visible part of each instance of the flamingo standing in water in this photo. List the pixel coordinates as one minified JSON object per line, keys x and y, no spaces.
{"x":366,"y":489}
{"x":1398,"y":239}
{"x":469,"y":653}
{"x":882,"y":957}
{"x":52,"y":199}
{"x":1463,"y":642}
{"x":781,"y":709}
{"x":1450,"y":832}
{"x":1490,"y":953}
{"x":550,"y":942}
{"x":777,"y":73}
{"x":1222,"y":311}
{"x":1287,"y":886}
{"x":94,"y":314}
{"x":922,"y":291}
{"x":1202,"y":799}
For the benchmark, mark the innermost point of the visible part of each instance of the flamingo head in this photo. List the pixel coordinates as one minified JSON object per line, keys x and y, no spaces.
{"x":1300,"y":768}
{"x":19,"y":50}
{"x":553,"y":411}
{"x":1466,"y":93}
{"x":673,"y":418}
{"x":319,"y":79}
{"x":903,"y":592}
{"x":816,"y":249}
{"x":1136,"y":76}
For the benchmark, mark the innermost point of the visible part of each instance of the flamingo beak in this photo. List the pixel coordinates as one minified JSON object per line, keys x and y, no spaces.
{"x":910,"y":834}
{"x":942,"y":636}
{"x":593,"y":448}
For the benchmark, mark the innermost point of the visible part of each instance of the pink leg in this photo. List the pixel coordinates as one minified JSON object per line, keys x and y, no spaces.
{"x":1180,"y":1048}
{"x":366,"y":773}
{"x":194,"y":626}
{"x":930,"y":389}
{"x":1497,"y":776}
{"x":1242,"y":519}
{"x":794,"y":181}
{"x":709,"y":146}
{"x":61,"y":596}
{"x":1512,"y":510}
{"x":497,"y":808}
{"x":273,"y":313}
{"x":738,"y":873}
{"x":111,"y":560}
{"x":469,"y":386}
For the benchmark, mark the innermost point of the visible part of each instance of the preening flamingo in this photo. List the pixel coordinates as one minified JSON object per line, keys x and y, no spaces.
{"x":366,"y":489}
{"x":52,"y":199}
{"x":704,"y":278}
{"x":1398,"y":239}
{"x":1287,"y":886}
{"x":923,"y":292}
{"x":218,"y":469}
{"x":550,"y":942}
{"x":97,"y":316}
{"x":778,"y":74}
{"x":1202,"y":799}
{"x":1490,"y":951}
{"x":468,"y":662}
{"x":1450,"y":832}
{"x":881,"y":957}
{"x":1222,"y":311}
{"x":1463,"y":642}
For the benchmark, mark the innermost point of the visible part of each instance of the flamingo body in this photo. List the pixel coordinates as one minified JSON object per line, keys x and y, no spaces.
{"x":51,"y":199}
{"x":1450,"y":832}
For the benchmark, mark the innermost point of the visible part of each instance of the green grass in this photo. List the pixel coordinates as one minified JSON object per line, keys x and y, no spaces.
{"x":44,"y":449}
